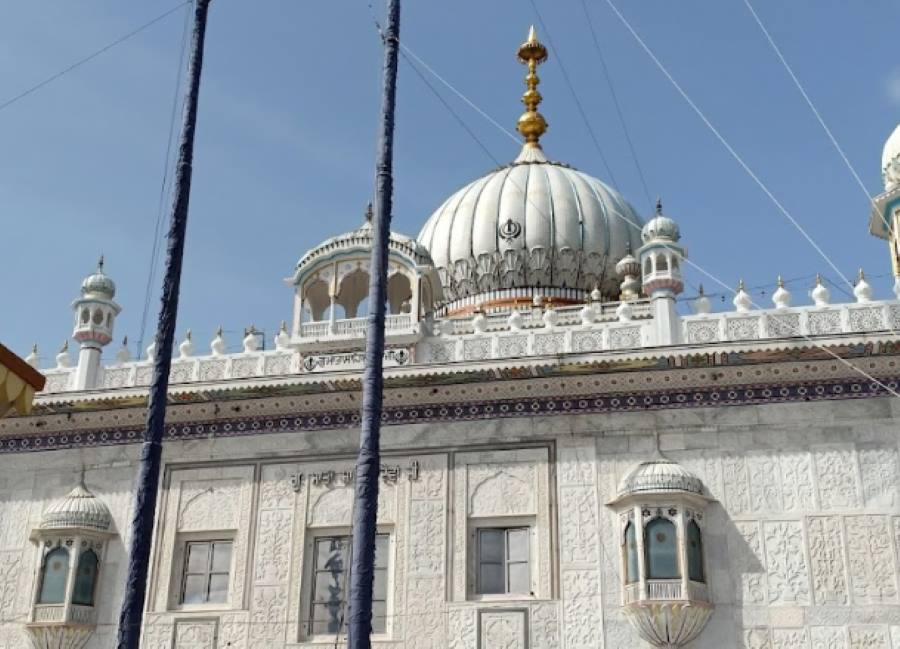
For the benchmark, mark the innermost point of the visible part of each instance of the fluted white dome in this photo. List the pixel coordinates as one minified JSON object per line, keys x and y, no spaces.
{"x":660,"y":475}
{"x":80,"y":508}
{"x":528,"y":225}
{"x":98,"y":284}
{"x":890,"y":161}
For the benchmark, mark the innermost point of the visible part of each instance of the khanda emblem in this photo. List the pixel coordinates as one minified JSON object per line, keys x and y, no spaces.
{"x":510,"y":229}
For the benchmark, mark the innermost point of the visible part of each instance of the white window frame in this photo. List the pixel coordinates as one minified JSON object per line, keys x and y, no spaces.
{"x":314,"y":534}
{"x":179,"y":561}
{"x":504,"y":523}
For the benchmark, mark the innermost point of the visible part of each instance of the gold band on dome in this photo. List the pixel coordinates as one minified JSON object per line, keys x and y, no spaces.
{"x":532,"y":124}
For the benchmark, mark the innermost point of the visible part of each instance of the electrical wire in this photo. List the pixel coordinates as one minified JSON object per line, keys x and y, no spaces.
{"x":615,"y":99}
{"x":577,"y":101}
{"x":717,"y":280}
{"x":724,"y":142}
{"x":812,"y":107}
{"x":160,"y":208}
{"x":12,"y":100}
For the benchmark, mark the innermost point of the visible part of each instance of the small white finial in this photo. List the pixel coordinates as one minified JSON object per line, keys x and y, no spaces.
{"x":702,"y":304}
{"x":596,"y":294}
{"x":123,"y":355}
{"x":479,"y":321}
{"x":217,"y":346}
{"x":62,"y":358}
{"x":515,"y":320}
{"x":862,"y":290}
{"x":624,"y":311}
{"x":588,"y":314}
{"x":820,"y":293}
{"x":282,"y":338}
{"x":151,"y":351}
{"x":550,"y":317}
{"x":32,"y":358}
{"x":742,"y":301}
{"x":781,"y":298}
{"x":186,"y":348}
{"x":251,"y":341}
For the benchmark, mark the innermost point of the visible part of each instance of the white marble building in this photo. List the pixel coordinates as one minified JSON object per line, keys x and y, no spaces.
{"x":569,"y":461}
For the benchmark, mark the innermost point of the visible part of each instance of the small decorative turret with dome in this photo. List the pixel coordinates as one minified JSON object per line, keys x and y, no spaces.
{"x":95,"y":315}
{"x":661,"y":255}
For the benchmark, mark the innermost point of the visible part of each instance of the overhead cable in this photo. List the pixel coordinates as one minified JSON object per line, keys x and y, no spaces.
{"x":90,"y":57}
{"x":724,"y":142}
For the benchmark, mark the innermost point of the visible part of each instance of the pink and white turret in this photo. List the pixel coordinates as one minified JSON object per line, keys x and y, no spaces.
{"x":95,"y":315}
{"x":660,"y":258}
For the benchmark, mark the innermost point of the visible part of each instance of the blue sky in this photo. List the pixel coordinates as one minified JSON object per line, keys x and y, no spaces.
{"x":286,"y":138}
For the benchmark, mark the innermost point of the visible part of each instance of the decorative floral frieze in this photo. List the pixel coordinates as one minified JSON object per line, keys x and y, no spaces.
{"x":702,"y":331}
{"x":549,"y":343}
{"x":442,"y":352}
{"x":742,"y":328}
{"x":512,"y":345}
{"x":476,"y":349}
{"x":114,"y":377}
{"x":873,"y":573}
{"x":783,"y":325}
{"x":826,"y":556}
{"x":836,"y":477}
{"x":624,"y":337}
{"x":786,"y":573}
{"x":587,"y":341}
{"x":199,"y":634}
{"x":503,"y":629}
{"x":865,"y":319}
{"x":820,"y":323}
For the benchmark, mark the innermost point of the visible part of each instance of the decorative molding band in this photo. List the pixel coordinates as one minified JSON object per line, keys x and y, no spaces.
{"x":636,"y":401}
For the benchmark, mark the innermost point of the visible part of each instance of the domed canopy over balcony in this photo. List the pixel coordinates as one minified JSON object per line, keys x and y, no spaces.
{"x":332,"y":286}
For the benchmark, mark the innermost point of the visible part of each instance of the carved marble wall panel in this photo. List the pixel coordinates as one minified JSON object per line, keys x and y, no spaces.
{"x":829,"y":637}
{"x":423,"y":553}
{"x":736,"y":484}
{"x":790,"y":639}
{"x":461,"y":628}
{"x":195,"y":634}
{"x":544,"y":626}
{"x":880,"y":472}
{"x":212,"y":501}
{"x":746,"y":552}
{"x":158,"y":632}
{"x":798,"y":491}
{"x":873,"y":572}
{"x":757,"y":638}
{"x":580,"y":538}
{"x":869,"y":637}
{"x":14,"y":523}
{"x":503,"y":629}
{"x":827,"y":565}
{"x":582,"y":609}
{"x":836,"y":475}
{"x":11,"y":574}
{"x":787,"y":575}
{"x":233,"y":630}
{"x":765,"y":488}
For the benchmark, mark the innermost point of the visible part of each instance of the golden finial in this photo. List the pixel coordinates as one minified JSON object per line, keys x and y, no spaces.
{"x":532,"y":124}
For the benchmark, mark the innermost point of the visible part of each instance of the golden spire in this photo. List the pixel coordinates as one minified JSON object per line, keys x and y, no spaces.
{"x":532,"y":124}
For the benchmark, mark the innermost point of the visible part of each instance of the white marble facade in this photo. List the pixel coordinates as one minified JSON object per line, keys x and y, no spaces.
{"x":802,"y":542}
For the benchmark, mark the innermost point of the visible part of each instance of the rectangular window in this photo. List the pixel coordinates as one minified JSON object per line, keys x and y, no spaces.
{"x":503,"y":561}
{"x":330,"y":585}
{"x":207,"y":565}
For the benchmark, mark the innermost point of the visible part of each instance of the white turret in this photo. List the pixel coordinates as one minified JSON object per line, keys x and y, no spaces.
{"x":742,"y":301}
{"x":95,"y":315}
{"x":820,"y":293}
{"x":862,"y":290}
{"x":781,"y":298}
{"x":660,"y":258}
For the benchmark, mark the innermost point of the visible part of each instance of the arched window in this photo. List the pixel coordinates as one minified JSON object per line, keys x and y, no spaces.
{"x":695,"y":552}
{"x":86,"y":579}
{"x":631,"y":557}
{"x":54,"y":574}
{"x":661,"y":263}
{"x":661,"y":555}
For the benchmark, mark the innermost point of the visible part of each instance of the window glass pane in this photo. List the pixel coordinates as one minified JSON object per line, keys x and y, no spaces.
{"x":695,"y":552}
{"x":491,"y":579}
{"x":330,"y":553}
{"x":53,"y":581}
{"x":218,"y":588}
{"x":329,"y":586}
{"x":326,"y":618}
{"x":490,"y":545}
{"x":379,"y":617}
{"x":662,"y":558}
{"x":221,"y":556}
{"x":631,"y":558}
{"x":197,"y":557}
{"x":519,"y":578}
{"x":518,"y":545}
{"x":194,"y":589}
{"x":382,"y":550}
{"x":85,"y":579}
{"x":379,"y":590}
